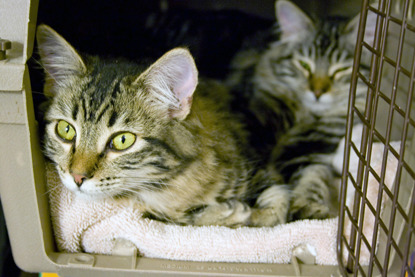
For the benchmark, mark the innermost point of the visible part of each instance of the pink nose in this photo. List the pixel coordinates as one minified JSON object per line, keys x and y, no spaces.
{"x":79,"y":178}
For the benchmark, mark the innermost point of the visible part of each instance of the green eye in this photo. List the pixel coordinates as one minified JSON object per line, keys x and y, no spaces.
{"x":305,"y":65}
{"x":65,"y":130}
{"x":122,"y":141}
{"x":341,"y":69}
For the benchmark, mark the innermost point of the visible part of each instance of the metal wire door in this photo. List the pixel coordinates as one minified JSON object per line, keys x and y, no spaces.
{"x":377,"y":199}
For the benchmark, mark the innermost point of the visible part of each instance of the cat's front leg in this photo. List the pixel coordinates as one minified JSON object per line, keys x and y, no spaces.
{"x":231,"y":213}
{"x":311,"y":195}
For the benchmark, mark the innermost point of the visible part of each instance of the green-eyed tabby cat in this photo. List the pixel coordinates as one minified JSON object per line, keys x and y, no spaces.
{"x":126,"y":131}
{"x":298,"y":88}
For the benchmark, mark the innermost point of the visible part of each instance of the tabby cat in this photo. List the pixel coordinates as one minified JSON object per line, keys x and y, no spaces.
{"x":298,"y":89}
{"x":139,"y":133}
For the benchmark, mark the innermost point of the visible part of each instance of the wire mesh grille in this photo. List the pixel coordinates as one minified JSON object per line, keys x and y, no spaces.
{"x":376,"y":224}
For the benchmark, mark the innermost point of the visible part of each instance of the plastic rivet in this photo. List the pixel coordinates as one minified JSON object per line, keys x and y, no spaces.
{"x":83,"y":258}
{"x":4,"y":45}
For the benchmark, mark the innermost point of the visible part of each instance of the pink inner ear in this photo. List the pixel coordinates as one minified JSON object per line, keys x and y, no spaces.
{"x":291,"y":19}
{"x":174,"y":79}
{"x":185,"y":86}
{"x":183,"y":89}
{"x":285,"y":18}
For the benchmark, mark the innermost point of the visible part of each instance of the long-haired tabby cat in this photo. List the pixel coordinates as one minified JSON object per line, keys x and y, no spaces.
{"x":298,"y":87}
{"x":128,"y":131}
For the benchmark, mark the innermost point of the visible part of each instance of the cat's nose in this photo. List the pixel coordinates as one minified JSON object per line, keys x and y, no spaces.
{"x":318,"y":93}
{"x":79,"y":178}
{"x":319,"y":86}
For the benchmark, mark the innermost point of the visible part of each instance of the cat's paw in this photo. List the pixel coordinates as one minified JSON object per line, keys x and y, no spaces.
{"x":309,"y":205}
{"x":231,"y":213}
{"x":271,"y":207}
{"x":309,"y":210}
{"x":267,"y":217}
{"x":311,"y":195}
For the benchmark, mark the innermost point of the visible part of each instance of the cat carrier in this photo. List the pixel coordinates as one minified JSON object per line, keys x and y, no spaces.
{"x":373,"y":233}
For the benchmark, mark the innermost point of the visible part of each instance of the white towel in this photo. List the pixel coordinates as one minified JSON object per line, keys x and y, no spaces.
{"x":95,"y":226}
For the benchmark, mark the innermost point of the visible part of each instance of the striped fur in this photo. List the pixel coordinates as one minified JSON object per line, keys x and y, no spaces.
{"x":186,"y":164}
{"x":298,"y":88}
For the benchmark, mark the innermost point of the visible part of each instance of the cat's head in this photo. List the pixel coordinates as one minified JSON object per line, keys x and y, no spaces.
{"x":313,"y":59}
{"x":108,"y":121}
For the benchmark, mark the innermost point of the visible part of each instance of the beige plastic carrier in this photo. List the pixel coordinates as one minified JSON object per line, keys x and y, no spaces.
{"x":389,"y":115}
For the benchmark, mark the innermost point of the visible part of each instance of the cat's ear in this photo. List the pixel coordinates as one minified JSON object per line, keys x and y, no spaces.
{"x":292,"y":21}
{"x":370,"y":28}
{"x":58,"y":57}
{"x":172,"y":79}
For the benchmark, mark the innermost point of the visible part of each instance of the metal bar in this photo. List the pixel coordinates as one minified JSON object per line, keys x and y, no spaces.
{"x":376,"y":261}
{"x":367,"y":140}
{"x":390,"y":195}
{"x":353,"y":86}
{"x":379,"y":72}
{"x":411,"y":215}
{"x":399,"y":170}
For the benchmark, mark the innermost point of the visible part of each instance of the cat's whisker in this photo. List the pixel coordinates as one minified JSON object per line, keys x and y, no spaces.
{"x":37,"y":92}
{"x":131,"y":191}
{"x":51,"y":190}
{"x":152,"y":186}
{"x":137,"y":179}
{"x":144,"y":186}
{"x":141,"y":182}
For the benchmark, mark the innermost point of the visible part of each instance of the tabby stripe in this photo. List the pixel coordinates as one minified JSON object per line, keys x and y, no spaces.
{"x":128,"y":167}
{"x":279,"y":59}
{"x":302,"y":143}
{"x":136,"y":158}
{"x":162,"y":144}
{"x":113,"y":119}
{"x":75,"y":112}
{"x":226,"y":191}
{"x":50,"y":148}
{"x":91,"y":116}
{"x":332,"y":133}
{"x":316,"y":191}
{"x":158,"y":165}
{"x":196,"y":209}
{"x":155,"y":185}
{"x":275,"y":72}
{"x":102,"y":113}
{"x":323,"y":135}
{"x":84,"y":108}
{"x":307,"y":147}
{"x":116,"y":89}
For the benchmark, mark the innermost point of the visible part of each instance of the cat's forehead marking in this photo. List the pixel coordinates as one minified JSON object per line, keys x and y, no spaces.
{"x":112,"y":119}
{"x":97,"y":98}
{"x":75,"y":111}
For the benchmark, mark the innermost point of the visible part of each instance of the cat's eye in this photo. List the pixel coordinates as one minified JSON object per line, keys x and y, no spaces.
{"x":65,"y":130}
{"x":341,"y":69}
{"x":305,"y":65}
{"x":339,"y":72}
{"x":122,"y":141}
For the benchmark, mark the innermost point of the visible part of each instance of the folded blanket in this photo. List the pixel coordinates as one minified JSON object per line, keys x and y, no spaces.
{"x":96,"y":226}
